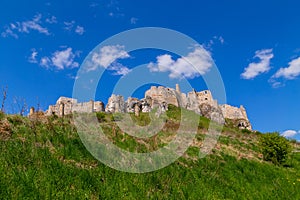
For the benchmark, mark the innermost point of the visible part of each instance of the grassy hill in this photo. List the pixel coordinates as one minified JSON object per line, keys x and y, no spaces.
{"x":45,"y":159}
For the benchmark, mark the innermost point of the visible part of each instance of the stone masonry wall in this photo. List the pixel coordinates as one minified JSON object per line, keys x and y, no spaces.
{"x":156,"y":97}
{"x":65,"y":106}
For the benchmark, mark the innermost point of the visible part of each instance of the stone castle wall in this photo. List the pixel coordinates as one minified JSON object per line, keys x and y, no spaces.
{"x":65,"y":106}
{"x":156,"y":97}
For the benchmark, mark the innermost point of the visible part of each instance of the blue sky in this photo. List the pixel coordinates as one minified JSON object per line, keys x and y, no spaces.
{"x":255,"y":45}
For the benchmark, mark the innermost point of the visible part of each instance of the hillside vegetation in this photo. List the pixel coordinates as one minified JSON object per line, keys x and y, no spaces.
{"x":44,"y":158}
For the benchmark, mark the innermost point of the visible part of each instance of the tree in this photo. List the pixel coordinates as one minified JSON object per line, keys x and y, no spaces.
{"x":275,"y":148}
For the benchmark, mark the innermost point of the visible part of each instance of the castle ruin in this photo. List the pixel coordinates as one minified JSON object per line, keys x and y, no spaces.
{"x":65,"y":106}
{"x":156,"y":97}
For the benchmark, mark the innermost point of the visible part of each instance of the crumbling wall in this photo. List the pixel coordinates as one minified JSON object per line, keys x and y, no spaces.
{"x":161,"y":95}
{"x":238,"y":115}
{"x":115,"y":104}
{"x":65,"y":106}
{"x":157,"y":97}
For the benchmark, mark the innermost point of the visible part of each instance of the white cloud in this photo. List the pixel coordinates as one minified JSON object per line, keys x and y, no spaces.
{"x":61,"y":59}
{"x":64,"y":59}
{"x":195,"y":64}
{"x":119,"y":69}
{"x":275,"y":83}
{"x":34,"y":24}
{"x":45,"y":62}
{"x":51,"y":20}
{"x":71,"y":26}
{"x":107,"y":58}
{"x":290,"y":72}
{"x":8,"y":32}
{"x":79,"y":30}
{"x":291,"y":134}
{"x":26,"y":27}
{"x":108,"y":55}
{"x":33,"y":56}
{"x":256,"y":68}
{"x":133,"y":20}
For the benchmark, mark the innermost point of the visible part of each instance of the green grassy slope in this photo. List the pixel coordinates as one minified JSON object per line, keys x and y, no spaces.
{"x":45,"y":159}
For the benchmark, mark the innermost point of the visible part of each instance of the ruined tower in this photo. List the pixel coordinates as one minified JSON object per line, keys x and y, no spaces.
{"x":178,"y":88}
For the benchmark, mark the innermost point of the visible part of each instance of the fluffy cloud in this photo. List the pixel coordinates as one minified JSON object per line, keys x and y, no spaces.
{"x":26,"y":27}
{"x":196,"y":63}
{"x":290,"y":72}
{"x":61,"y":59}
{"x":107,"y":58}
{"x":256,"y":68}
{"x":64,"y":59}
{"x":108,"y":55}
{"x":119,"y":69}
{"x":291,"y":134}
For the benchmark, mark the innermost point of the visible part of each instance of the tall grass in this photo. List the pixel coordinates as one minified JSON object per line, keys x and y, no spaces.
{"x":46,"y":160}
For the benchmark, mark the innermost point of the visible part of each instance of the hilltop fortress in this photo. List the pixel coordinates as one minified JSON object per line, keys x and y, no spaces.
{"x":159,"y":97}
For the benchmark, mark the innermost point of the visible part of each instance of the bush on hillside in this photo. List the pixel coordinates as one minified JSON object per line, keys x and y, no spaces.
{"x":101,"y":117}
{"x":275,"y":148}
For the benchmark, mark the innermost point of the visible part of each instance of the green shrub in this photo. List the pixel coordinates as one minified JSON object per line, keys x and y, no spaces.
{"x":174,"y":112}
{"x":246,"y":131}
{"x":100,"y":116}
{"x":275,"y":148}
